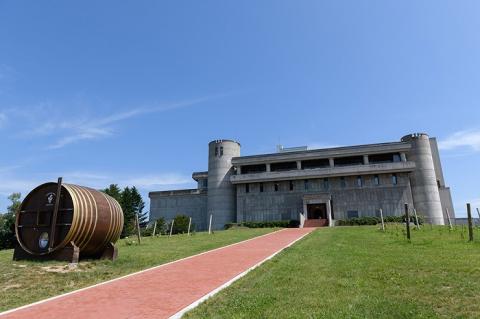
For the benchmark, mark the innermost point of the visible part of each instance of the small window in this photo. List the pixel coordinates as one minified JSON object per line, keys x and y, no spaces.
{"x":326,"y":184}
{"x":396,"y":158}
{"x":343,"y":183}
{"x":394,"y":179}
{"x":275,"y":186}
{"x":221,"y":150}
{"x":352,"y":214}
{"x":376,"y":180}
{"x":216,"y":151}
{"x":247,"y":188}
{"x":306,"y":184}
{"x":359,"y":181}
{"x":291,"y":185}
{"x":261,"y":187}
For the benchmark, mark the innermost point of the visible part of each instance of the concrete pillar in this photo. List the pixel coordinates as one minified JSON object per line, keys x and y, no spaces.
{"x":221,"y":198}
{"x":329,"y":214}
{"x":365,"y":160}
{"x":239,"y":170}
{"x":331,"y":162}
{"x":403,"y":157}
{"x":268,"y":167}
{"x":426,"y":197}
{"x":299,"y":164}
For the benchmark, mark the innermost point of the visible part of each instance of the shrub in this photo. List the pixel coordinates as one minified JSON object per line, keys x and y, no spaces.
{"x":372,"y":220}
{"x":161,"y":228}
{"x":180,"y":225}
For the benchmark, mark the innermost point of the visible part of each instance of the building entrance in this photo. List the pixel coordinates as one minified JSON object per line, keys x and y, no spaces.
{"x":317,"y":211}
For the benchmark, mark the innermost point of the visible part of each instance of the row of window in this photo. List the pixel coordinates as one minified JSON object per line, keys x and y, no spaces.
{"x":326,"y":183}
{"x":322,"y":163}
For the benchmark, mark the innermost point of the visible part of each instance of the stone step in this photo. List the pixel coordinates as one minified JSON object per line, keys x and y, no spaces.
{"x":315,"y":223}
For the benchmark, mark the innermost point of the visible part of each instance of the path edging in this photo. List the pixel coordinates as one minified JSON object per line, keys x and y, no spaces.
{"x":6,"y":312}
{"x":179,"y":314}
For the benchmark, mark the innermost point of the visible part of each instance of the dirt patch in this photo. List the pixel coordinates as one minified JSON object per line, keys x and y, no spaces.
{"x":61,"y":269}
{"x":11,"y":287}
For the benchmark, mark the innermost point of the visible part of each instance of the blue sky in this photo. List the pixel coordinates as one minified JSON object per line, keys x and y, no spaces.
{"x":130,"y":92}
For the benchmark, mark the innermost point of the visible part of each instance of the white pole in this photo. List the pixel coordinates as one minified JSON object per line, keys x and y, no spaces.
{"x":381,"y":217}
{"x":189,"y":224}
{"x":416,"y":218}
{"x":210,"y":225}
{"x":449,"y":220}
{"x":171,"y":227}
{"x":154,"y":228}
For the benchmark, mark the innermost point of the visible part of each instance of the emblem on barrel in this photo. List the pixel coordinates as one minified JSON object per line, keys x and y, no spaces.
{"x":67,"y":222}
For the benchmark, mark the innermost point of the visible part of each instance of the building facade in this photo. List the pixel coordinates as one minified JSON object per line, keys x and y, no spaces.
{"x":320,"y":185}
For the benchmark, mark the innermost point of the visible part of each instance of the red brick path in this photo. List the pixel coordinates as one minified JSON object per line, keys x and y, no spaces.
{"x":163,"y":291}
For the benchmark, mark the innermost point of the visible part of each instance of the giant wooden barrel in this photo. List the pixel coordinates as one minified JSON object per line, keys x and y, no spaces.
{"x":89,"y":219}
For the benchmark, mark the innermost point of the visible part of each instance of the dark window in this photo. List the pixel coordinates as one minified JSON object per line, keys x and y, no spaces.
{"x":438,"y":183}
{"x":275,"y":186}
{"x":347,"y":161}
{"x":384,"y":158}
{"x":216,"y":151}
{"x":306,"y":184}
{"x":247,"y":188}
{"x":316,"y":163}
{"x":285,"y":166}
{"x":221,"y":150}
{"x":376,"y":180}
{"x":251,"y":169}
{"x":359,"y":181}
{"x":343,"y":183}
{"x":291,"y":185}
{"x":352,"y":214}
{"x":326,"y":184}
{"x":394,"y":179}
{"x":261,"y":187}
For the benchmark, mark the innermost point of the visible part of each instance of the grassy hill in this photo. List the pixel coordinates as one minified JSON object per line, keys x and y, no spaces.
{"x":360,"y":272}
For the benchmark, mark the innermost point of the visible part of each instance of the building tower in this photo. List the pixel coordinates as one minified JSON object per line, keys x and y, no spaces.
{"x":426,"y":196}
{"x":221,"y":202}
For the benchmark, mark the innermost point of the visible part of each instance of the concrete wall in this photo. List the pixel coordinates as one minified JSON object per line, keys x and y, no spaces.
{"x":170,"y":205}
{"x":286,"y":204}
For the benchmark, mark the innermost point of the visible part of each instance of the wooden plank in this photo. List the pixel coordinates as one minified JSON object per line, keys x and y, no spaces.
{"x":53,"y":222}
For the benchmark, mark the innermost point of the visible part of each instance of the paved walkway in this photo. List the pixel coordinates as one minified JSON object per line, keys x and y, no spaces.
{"x":166,"y":290}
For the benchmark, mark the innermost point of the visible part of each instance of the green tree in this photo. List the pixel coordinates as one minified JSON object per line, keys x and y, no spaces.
{"x":114,"y":191}
{"x":132,"y":204}
{"x":7,"y":222}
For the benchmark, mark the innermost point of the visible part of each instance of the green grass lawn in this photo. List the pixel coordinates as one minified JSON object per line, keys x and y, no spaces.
{"x":23,"y":282}
{"x":360,"y":272}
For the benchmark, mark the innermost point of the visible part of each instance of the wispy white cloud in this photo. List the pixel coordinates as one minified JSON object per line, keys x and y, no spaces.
{"x":44,"y":119}
{"x":3,"y":119}
{"x":469,"y":139}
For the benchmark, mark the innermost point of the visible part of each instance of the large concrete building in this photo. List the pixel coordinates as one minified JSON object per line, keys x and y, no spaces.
{"x":319,"y":186}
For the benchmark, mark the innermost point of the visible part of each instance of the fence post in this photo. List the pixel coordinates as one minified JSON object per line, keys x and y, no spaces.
{"x":407,"y":214}
{"x":171,"y":227}
{"x":449,"y":220}
{"x":470,"y":223}
{"x":154,"y":229}
{"x":478,"y":213}
{"x":416,"y":218}
{"x":189,"y":224}
{"x":381,"y":217}
{"x":210,"y":224}
{"x":138,"y":228}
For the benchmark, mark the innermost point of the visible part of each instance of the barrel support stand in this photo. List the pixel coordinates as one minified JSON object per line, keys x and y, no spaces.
{"x":110,"y":252}
{"x":70,"y":253}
